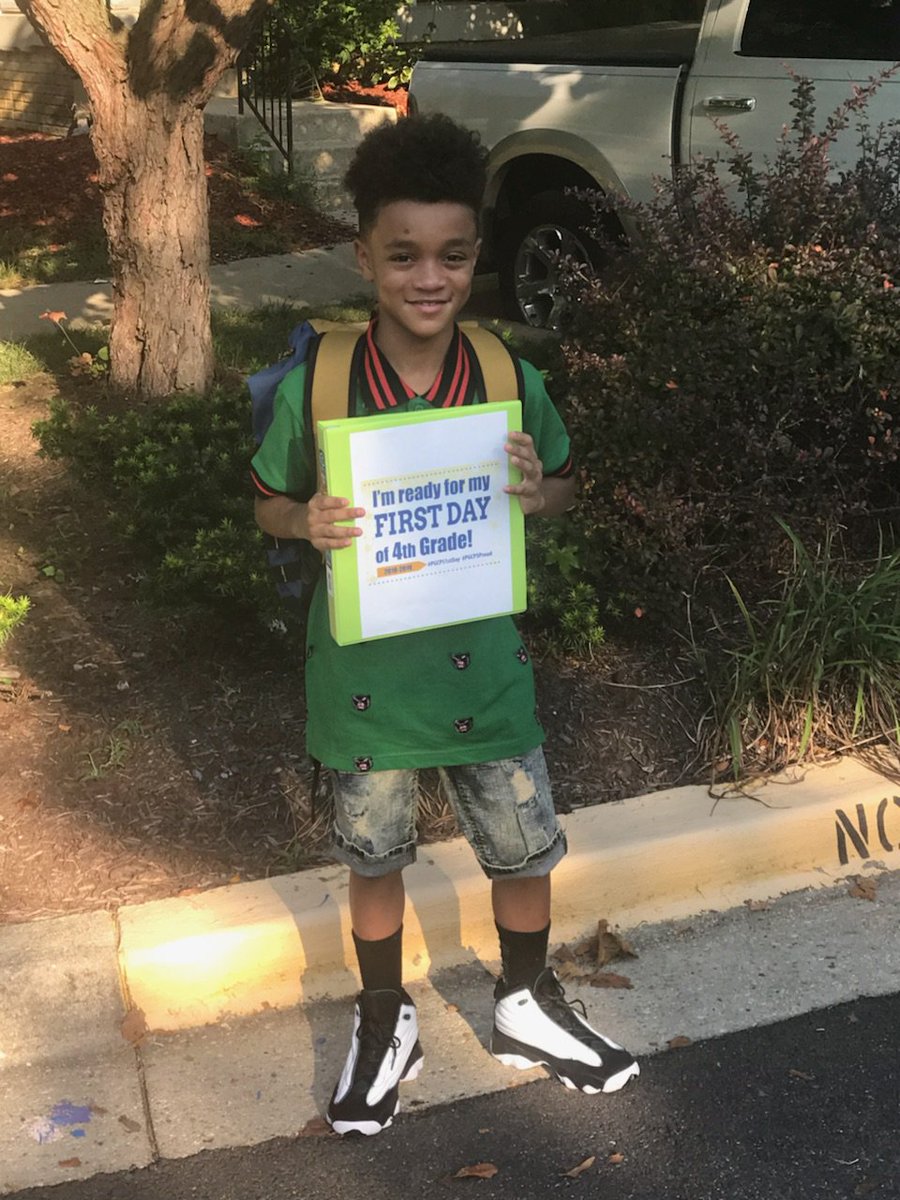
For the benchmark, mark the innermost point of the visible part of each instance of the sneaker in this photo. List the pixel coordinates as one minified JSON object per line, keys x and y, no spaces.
{"x":539,"y":1026}
{"x":384,"y":1052}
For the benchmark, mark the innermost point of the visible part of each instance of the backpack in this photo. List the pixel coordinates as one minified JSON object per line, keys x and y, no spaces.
{"x":294,"y":563}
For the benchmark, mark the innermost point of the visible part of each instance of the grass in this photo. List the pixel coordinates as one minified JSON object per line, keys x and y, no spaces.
{"x":113,"y":755}
{"x":817,"y":669}
{"x":12,"y":613}
{"x":28,"y":256}
{"x":17,"y":362}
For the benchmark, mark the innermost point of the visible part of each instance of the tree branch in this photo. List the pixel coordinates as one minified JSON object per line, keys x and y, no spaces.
{"x":83,"y":33}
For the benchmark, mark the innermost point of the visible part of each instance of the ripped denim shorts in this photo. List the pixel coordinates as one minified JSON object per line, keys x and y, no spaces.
{"x":504,"y":808}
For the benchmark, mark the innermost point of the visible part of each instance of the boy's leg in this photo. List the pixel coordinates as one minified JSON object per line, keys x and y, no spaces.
{"x":506,"y":811}
{"x":384,"y":1048}
{"x":533,"y":1022}
{"x":376,"y":917}
{"x":522,"y":916}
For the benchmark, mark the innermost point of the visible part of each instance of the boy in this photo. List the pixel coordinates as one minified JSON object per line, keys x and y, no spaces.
{"x":459,"y":698}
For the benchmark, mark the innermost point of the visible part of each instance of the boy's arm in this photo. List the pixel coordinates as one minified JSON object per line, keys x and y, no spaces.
{"x":314,"y":521}
{"x":548,"y":495}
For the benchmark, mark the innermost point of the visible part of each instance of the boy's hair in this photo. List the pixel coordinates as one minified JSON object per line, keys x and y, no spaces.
{"x":426,"y":158}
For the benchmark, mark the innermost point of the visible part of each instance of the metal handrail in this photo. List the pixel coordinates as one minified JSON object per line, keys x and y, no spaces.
{"x":267,"y":73}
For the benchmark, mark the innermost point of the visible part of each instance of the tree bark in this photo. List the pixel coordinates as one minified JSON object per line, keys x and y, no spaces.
{"x":153,"y":178}
{"x":147,"y":86}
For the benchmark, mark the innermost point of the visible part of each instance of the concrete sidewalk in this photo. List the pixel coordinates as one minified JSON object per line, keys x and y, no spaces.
{"x":311,"y":277}
{"x":164,"y":1028}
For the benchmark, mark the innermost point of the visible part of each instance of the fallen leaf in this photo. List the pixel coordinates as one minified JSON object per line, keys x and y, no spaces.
{"x":581,"y":1168}
{"x":452,"y":1008}
{"x":609,"y":979}
{"x":587,"y":948}
{"x":70,"y":1162}
{"x":864,"y":888}
{"x":316,"y":1127}
{"x":63,"y":728}
{"x":56,"y":317}
{"x":676,"y":1043}
{"x":573,"y":970}
{"x":800,"y":1074}
{"x":757,"y":905}
{"x":134,"y":1026}
{"x":235,"y":878}
{"x":483,"y":1170}
{"x":129,"y":1125}
{"x":616,"y":1158}
{"x":610,"y":945}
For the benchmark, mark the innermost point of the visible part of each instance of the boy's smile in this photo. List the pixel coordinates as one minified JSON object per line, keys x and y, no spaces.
{"x":421,"y":259}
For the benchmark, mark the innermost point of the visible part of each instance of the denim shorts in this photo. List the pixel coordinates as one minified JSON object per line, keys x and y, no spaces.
{"x":504,"y":808}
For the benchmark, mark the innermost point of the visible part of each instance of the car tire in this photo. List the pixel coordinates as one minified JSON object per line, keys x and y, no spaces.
{"x":550,"y":227}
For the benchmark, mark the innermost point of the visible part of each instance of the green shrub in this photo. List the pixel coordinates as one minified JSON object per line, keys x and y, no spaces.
{"x":175,"y":476}
{"x":347,"y":40}
{"x":562,"y":608}
{"x":736,"y":364}
{"x":12,"y":613}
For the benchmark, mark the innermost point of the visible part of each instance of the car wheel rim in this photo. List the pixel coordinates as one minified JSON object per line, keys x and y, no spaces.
{"x":536,"y":273}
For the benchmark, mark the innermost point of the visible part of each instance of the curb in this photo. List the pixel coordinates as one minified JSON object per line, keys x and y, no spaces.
{"x":272,"y":943}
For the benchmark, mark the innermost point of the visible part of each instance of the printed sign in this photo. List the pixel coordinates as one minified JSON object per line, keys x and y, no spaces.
{"x":442,"y":543}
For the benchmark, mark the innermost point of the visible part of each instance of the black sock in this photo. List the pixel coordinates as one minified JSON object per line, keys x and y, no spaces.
{"x":381,"y":961}
{"x":524,"y":955}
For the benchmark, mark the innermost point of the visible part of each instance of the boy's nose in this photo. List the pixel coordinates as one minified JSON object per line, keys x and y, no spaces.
{"x":429,"y":274}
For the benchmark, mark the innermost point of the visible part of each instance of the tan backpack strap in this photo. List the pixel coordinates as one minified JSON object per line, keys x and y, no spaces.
{"x":331,"y":379}
{"x":497,"y":367}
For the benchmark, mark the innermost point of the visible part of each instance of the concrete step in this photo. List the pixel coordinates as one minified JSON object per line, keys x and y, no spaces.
{"x":325,"y":138}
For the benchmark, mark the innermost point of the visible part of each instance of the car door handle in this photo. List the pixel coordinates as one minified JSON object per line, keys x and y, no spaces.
{"x":729,"y":103}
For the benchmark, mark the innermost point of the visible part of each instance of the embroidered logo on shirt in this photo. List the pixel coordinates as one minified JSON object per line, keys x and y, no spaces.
{"x":363,"y":764}
{"x":522,"y":654}
{"x":463,"y":724}
{"x":460,"y":661}
{"x":361,"y":702}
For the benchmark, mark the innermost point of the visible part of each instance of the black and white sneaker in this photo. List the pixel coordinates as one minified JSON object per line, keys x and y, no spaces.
{"x":384,"y":1053}
{"x":540,"y":1026}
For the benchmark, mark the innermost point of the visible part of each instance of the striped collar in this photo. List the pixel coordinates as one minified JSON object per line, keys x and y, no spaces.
{"x":454,"y":385}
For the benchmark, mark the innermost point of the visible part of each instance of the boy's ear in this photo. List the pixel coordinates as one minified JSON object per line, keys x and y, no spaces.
{"x":363,"y":260}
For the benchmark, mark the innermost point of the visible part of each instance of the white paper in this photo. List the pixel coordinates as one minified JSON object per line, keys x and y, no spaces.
{"x":435,"y":547}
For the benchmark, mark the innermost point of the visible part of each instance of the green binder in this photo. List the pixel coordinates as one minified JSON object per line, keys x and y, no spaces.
{"x":442,"y":542}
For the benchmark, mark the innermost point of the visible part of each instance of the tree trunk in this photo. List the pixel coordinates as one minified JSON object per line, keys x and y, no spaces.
{"x":147,"y":84}
{"x":153,"y":177}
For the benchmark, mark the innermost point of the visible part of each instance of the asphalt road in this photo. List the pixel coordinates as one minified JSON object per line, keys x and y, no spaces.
{"x":801,"y":1110}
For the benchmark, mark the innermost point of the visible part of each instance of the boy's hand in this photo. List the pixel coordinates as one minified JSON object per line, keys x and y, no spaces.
{"x":530,"y":491}
{"x":322,"y":513}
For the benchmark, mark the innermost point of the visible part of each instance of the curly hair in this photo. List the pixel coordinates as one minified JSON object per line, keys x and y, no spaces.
{"x":427,"y":158}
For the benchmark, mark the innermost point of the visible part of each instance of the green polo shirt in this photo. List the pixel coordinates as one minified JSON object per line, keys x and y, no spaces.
{"x":441,"y":697}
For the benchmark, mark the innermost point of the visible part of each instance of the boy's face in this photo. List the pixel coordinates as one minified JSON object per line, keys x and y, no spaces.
{"x":421,"y":258}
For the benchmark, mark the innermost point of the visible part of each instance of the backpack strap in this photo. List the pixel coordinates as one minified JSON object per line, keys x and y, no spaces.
{"x":330,"y":379}
{"x":498,"y":365}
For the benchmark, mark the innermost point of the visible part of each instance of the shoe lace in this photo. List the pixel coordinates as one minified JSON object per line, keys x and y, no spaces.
{"x":375,"y":1039}
{"x":553,"y":997}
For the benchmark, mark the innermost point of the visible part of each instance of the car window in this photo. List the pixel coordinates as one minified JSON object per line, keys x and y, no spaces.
{"x":823,"y":29}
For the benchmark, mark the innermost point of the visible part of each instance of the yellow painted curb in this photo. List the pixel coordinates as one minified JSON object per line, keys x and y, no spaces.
{"x":194,"y":960}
